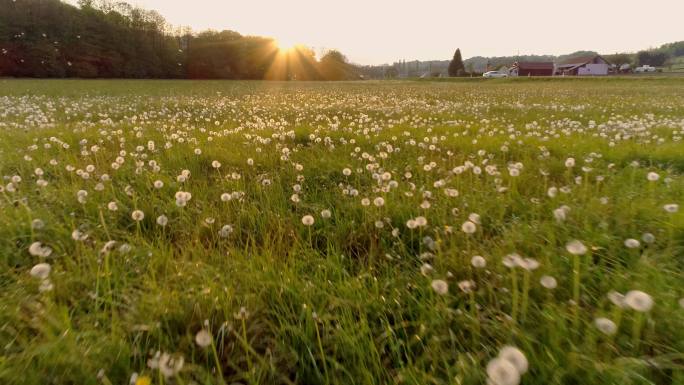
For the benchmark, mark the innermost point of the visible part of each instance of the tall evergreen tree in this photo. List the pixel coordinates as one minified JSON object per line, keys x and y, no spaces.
{"x":456,"y":66}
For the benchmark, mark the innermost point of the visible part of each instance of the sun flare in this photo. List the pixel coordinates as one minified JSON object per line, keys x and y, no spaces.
{"x":285,"y":44}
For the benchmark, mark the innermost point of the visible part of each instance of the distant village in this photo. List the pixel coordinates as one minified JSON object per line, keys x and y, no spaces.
{"x":579,"y":64}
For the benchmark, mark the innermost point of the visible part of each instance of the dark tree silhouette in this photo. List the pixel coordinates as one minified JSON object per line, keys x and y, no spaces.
{"x":456,"y":67}
{"x":50,"y":38}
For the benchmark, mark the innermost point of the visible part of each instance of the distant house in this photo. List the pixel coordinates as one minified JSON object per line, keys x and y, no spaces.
{"x":531,"y":69}
{"x":583,"y":65}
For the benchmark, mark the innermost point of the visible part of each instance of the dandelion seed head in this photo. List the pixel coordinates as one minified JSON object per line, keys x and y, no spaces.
{"x":502,"y":372}
{"x":37,"y":249}
{"x":468,"y":227}
{"x":307,"y":220}
{"x":41,"y":271}
{"x":440,"y":287}
{"x":639,"y":301}
{"x":671,"y":208}
{"x":548,"y":282}
{"x":426,"y":269}
{"x":137,"y":215}
{"x":478,"y":262}
{"x":632,"y":243}
{"x":605,"y":326}
{"x":516,"y":357}
{"x":576,"y":247}
{"x":203,"y":338}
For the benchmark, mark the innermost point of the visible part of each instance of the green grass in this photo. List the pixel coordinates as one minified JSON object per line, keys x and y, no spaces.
{"x":343,"y":301}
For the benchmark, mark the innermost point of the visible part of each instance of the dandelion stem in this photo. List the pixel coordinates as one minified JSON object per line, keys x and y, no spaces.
{"x":636,"y":331}
{"x":320,"y":348}
{"x":514,"y":281}
{"x":244,"y":337}
{"x":576,"y":288}
{"x":476,"y":318}
{"x":217,"y":362}
{"x":526,"y":289}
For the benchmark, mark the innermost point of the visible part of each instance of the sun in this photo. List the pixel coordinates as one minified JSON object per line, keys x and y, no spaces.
{"x":285,"y":44}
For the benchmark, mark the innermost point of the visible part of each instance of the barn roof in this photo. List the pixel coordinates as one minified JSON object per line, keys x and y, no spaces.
{"x":535,"y":65}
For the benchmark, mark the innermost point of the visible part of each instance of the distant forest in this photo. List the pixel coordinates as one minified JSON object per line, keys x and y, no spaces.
{"x":113,"y":39}
{"x":105,"y":39}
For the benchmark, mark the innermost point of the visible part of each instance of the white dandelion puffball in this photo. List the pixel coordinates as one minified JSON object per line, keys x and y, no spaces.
{"x":529,"y":264}
{"x":512,"y":260}
{"x":325,"y":214}
{"x":639,"y":301}
{"x":576,"y":248}
{"x":605,"y":326}
{"x":478,"y":261}
{"x":379,"y":201}
{"x":37,"y":224}
{"x":502,"y":372}
{"x":653,"y":176}
{"x":138,"y":215}
{"x":468,"y":227}
{"x":41,"y":271}
{"x":203,"y":338}
{"x":618,"y":299}
{"x":648,"y":237}
{"x":426,"y":269}
{"x":162,"y":220}
{"x":308,"y":220}
{"x":440,"y":287}
{"x":169,"y":365}
{"x":78,"y":235}
{"x":466,"y":286}
{"x":112,"y":206}
{"x":560,"y":214}
{"x":552,"y":192}
{"x":548,"y":282}
{"x":38,"y":250}
{"x":225,"y":231}
{"x":632,"y":243}
{"x":516,"y":357}
{"x":671,"y":208}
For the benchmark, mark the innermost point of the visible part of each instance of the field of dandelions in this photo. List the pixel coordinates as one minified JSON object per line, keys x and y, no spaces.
{"x":469,"y":232}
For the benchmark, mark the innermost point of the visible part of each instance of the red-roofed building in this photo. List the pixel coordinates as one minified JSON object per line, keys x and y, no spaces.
{"x":532,"y":69}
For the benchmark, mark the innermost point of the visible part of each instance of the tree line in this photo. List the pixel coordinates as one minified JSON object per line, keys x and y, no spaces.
{"x":662,"y":56}
{"x":106,"y":39}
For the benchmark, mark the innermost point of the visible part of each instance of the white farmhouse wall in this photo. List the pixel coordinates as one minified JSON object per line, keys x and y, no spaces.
{"x":593,"y":69}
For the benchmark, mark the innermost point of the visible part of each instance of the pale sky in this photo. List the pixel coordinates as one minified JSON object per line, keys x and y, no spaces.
{"x":383,"y":31}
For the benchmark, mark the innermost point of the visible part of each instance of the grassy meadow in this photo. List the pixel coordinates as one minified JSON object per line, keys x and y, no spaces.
{"x":461,"y":232}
